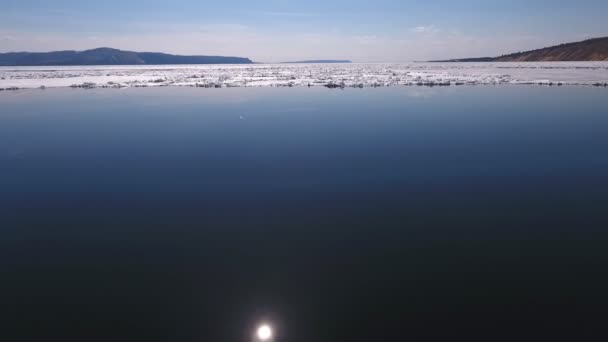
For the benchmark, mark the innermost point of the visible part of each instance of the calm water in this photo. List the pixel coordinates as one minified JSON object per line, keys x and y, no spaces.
{"x":403,"y":213}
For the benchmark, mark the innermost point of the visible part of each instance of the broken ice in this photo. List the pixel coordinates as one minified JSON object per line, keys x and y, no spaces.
{"x":291,"y":75}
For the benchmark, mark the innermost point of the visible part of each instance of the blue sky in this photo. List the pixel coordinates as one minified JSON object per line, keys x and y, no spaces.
{"x":280,"y":30}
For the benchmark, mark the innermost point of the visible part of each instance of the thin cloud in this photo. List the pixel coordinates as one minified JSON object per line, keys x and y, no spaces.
{"x":367,"y":39}
{"x":431,"y":29}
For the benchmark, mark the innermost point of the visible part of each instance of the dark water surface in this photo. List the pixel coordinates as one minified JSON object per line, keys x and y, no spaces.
{"x":378,"y":214}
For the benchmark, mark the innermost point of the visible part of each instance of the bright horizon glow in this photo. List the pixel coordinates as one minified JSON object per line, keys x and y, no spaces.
{"x":264,"y":332}
{"x":291,"y":30}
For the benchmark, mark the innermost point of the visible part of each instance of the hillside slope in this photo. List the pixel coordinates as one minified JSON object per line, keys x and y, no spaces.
{"x":589,"y":50}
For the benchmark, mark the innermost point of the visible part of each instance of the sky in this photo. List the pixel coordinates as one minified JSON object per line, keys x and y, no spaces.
{"x":284,"y":30}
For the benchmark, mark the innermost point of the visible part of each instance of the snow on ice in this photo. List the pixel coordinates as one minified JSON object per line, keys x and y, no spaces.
{"x":290,"y":75}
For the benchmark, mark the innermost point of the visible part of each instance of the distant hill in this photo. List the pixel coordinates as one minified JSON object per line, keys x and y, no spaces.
{"x":589,"y":50}
{"x":320,"y":61}
{"x":107,"y":56}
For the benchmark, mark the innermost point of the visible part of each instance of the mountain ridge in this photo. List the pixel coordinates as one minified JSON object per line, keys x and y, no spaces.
{"x":109,"y":56}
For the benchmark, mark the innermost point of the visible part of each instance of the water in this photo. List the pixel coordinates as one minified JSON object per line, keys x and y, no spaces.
{"x":180,"y":214}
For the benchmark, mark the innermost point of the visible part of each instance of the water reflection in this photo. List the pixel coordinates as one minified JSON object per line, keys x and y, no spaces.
{"x":146,"y":214}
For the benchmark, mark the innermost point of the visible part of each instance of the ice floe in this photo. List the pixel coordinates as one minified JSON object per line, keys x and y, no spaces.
{"x":309,"y":75}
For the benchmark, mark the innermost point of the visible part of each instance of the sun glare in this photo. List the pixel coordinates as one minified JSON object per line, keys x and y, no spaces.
{"x":264,"y":332}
